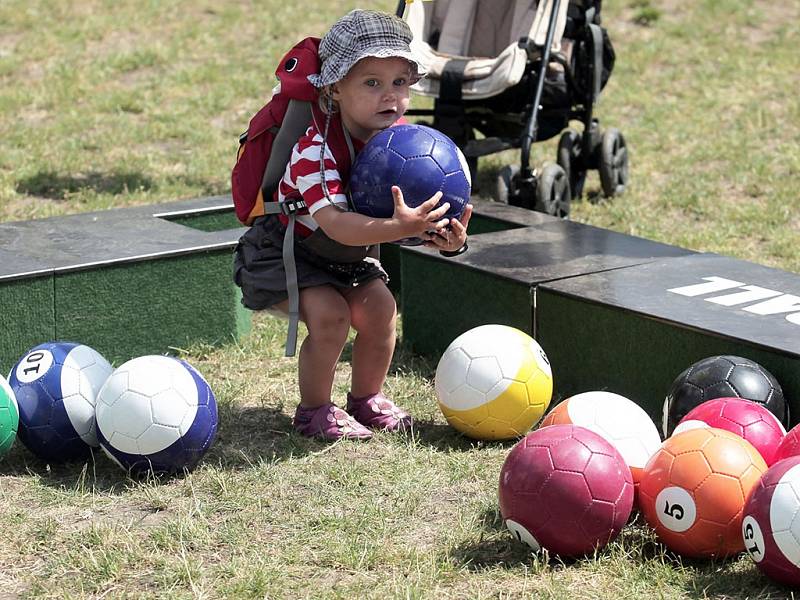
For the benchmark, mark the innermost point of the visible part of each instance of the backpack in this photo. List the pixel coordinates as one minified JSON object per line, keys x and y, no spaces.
{"x":266,"y":147}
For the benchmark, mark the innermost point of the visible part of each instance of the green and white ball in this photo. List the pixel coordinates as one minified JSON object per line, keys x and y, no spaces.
{"x":9,"y":416}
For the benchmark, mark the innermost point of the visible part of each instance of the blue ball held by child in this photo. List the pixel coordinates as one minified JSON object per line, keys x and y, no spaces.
{"x":420,"y":161}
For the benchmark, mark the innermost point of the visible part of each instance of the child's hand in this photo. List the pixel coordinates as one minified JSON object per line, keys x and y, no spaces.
{"x":452,"y":238}
{"x":417,"y":222}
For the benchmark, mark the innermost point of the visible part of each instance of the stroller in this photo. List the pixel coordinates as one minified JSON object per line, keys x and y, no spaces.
{"x":517,"y":72}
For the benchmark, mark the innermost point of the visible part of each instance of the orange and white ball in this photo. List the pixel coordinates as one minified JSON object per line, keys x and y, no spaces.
{"x":622,"y":422}
{"x":694,"y":488}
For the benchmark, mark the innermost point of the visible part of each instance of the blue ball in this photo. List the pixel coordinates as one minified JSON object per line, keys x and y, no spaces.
{"x":420,"y":161}
{"x":156,"y":413}
{"x":56,"y":385}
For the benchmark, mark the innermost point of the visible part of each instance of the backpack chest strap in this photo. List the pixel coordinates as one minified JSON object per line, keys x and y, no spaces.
{"x":288,"y":207}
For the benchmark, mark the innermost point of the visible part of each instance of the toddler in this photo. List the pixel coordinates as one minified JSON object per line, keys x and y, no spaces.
{"x":366,"y":70}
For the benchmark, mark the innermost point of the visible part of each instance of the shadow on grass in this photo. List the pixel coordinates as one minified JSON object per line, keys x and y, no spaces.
{"x":245,"y":436}
{"x":734,"y":578}
{"x":95,"y":473}
{"x":445,"y":438}
{"x":48,"y":184}
{"x":55,"y":186}
{"x":250,"y":435}
{"x":497,"y":548}
{"x":404,"y":361}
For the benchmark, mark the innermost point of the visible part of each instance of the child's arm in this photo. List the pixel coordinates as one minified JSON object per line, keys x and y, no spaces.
{"x":354,"y":229}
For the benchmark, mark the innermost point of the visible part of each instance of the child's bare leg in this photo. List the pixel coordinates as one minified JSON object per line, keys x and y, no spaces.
{"x":327,"y":317}
{"x":373,"y":314}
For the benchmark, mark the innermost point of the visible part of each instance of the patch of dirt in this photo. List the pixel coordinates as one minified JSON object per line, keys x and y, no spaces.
{"x":33,"y":116}
{"x":773,"y":16}
{"x":12,"y":590}
{"x":117,"y":41}
{"x":136,"y":77}
{"x":9,"y":43}
{"x":135,"y":517}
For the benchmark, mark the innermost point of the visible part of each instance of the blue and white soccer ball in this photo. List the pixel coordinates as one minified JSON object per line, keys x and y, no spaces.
{"x":156,"y":413}
{"x":56,"y":384}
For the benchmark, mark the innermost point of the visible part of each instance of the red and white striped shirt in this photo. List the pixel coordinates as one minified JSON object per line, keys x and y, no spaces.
{"x":302,"y":178}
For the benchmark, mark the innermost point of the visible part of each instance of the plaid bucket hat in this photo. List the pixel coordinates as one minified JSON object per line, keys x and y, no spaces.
{"x":357,"y":35}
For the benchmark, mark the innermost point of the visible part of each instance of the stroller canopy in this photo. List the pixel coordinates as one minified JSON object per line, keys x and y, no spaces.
{"x":482,"y":36}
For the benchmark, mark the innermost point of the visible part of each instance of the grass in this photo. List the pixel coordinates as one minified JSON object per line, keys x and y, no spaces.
{"x":106,"y":104}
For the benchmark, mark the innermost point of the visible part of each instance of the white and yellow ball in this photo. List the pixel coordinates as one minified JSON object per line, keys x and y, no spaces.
{"x":493,"y":382}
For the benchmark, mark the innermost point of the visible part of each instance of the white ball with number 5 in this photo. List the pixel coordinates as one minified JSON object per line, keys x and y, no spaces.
{"x":771,"y":524}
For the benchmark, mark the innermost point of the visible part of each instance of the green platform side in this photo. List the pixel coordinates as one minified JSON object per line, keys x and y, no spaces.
{"x":132,"y":281}
{"x":441,"y":300}
{"x":27,"y":317}
{"x":150,"y":306}
{"x":599,"y":347}
{"x":211,"y":221}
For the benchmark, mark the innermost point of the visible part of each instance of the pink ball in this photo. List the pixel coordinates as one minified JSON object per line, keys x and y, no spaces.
{"x":790,"y":444}
{"x":771,"y":523}
{"x":745,"y":418}
{"x":566,"y":489}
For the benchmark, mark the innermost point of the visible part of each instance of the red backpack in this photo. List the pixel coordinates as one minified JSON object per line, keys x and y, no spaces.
{"x":266,"y":146}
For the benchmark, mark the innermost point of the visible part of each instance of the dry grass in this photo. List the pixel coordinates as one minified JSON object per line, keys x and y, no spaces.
{"x":111,"y":104}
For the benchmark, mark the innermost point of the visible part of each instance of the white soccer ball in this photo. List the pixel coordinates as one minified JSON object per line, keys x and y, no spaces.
{"x":156,"y":413}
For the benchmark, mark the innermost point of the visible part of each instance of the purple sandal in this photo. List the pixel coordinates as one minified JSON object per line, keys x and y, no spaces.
{"x":329,"y":422}
{"x":376,"y":411}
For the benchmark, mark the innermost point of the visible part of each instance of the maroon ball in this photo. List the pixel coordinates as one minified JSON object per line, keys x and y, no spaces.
{"x":771,"y":523}
{"x":790,"y":444}
{"x":566,"y":489}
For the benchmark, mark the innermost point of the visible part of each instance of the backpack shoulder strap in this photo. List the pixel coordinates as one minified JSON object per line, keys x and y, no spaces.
{"x":297,"y":96}
{"x":295,"y":123}
{"x":338,"y":138}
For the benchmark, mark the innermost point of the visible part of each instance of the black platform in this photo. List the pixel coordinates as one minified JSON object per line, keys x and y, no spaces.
{"x":612,"y":311}
{"x":495,"y":281}
{"x":634,"y":330}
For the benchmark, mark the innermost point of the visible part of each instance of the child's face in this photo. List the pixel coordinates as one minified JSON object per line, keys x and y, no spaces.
{"x":373,"y":95}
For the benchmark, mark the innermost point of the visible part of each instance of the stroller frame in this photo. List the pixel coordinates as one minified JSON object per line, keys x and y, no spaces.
{"x":550,"y":189}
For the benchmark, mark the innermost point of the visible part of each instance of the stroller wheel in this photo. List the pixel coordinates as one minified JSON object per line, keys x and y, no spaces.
{"x":613,"y":163}
{"x":552,"y":191}
{"x":506,"y":187}
{"x":569,"y":157}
